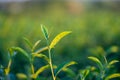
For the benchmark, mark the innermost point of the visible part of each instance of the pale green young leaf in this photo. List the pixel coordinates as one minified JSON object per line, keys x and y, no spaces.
{"x":97,"y":61}
{"x":84,"y":73}
{"x":45,"y":32}
{"x":28,"y":42}
{"x":63,"y":66}
{"x":21,"y":76}
{"x":41,"y":56}
{"x":40,"y":70}
{"x":112,"y":62}
{"x":115,"y":75}
{"x":35,"y":45}
{"x":41,"y":50}
{"x":58,"y":38}
{"x":7,"y":70}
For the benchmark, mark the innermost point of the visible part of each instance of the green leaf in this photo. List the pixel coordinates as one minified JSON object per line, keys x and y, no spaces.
{"x":41,"y":50}
{"x":58,"y":38}
{"x":40,"y":70}
{"x":35,"y":45}
{"x":11,"y":52}
{"x":112,"y":62}
{"x":97,"y":61}
{"x":7,"y":70}
{"x":115,"y":75}
{"x":28,"y":42}
{"x":22,"y":51}
{"x":84,"y":73}
{"x":41,"y":56}
{"x":63,"y":66}
{"x":69,"y":72}
{"x":21,"y":76}
{"x":45,"y":32}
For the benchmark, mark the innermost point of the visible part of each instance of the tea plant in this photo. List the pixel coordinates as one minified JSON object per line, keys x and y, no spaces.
{"x":104,"y":67}
{"x":33,"y":53}
{"x":52,"y":45}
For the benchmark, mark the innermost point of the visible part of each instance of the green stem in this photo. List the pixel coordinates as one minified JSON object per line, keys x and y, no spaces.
{"x":50,"y":61}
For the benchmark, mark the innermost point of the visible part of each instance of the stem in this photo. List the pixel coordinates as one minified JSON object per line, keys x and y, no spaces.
{"x":50,"y":61}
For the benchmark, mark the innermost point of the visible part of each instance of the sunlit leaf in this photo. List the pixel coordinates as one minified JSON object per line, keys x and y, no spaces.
{"x":7,"y":70}
{"x":84,"y":73}
{"x":41,"y":56}
{"x":41,"y":50}
{"x":28,"y":42}
{"x":63,"y":66}
{"x":35,"y":45}
{"x":45,"y":32}
{"x":97,"y":61}
{"x":115,"y":75}
{"x":40,"y":70}
{"x":112,"y":62}
{"x":58,"y":38}
{"x":21,"y":76}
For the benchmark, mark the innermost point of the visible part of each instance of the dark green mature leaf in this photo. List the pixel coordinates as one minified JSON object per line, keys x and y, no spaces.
{"x":45,"y":32}
{"x":63,"y":66}
{"x":22,"y":51}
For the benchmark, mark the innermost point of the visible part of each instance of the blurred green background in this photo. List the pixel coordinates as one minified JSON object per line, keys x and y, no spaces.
{"x":93,"y":24}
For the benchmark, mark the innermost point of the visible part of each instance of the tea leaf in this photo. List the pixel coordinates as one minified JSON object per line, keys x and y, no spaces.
{"x":112,"y":62}
{"x":21,"y":76}
{"x":41,"y":50}
{"x":63,"y":66}
{"x":96,"y":60}
{"x":7,"y":70}
{"x":69,"y":72}
{"x":32,"y":68}
{"x":45,"y":32}
{"x":84,"y":73}
{"x":28,"y":42}
{"x":40,"y":70}
{"x":35,"y":45}
{"x":21,"y":51}
{"x":41,"y":56}
{"x":115,"y":75}
{"x":58,"y":38}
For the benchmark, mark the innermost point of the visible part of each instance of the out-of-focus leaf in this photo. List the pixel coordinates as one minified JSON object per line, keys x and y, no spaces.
{"x":22,"y":51}
{"x":45,"y":32}
{"x":69,"y":72}
{"x":84,"y":73}
{"x":115,"y":75}
{"x":28,"y":42}
{"x":35,"y":45}
{"x":97,"y":61}
{"x":32,"y":68}
{"x":63,"y":66}
{"x":21,"y":76}
{"x":112,"y":62}
{"x":7,"y":70}
{"x":58,"y":38}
